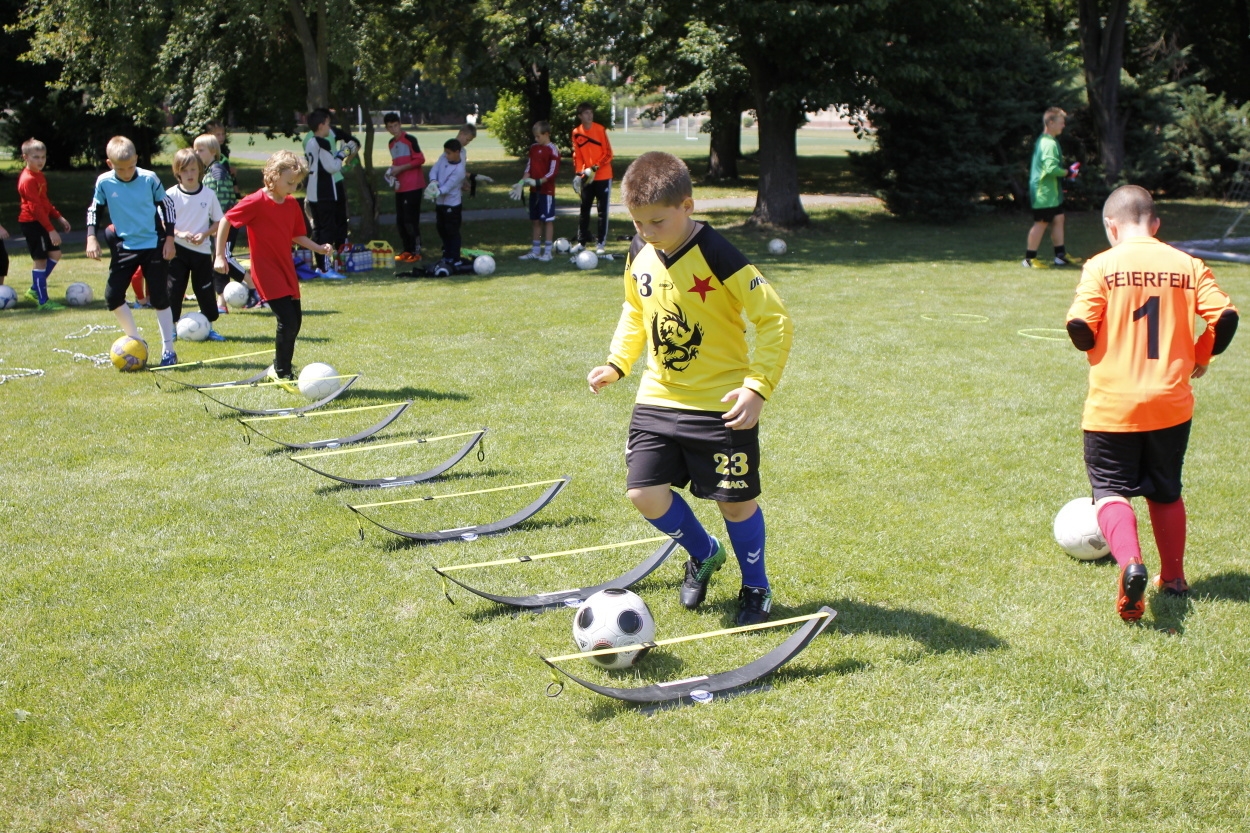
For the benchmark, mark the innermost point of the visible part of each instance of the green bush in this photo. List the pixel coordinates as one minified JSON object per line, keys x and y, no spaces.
{"x":1205,"y":142}
{"x":509,"y":122}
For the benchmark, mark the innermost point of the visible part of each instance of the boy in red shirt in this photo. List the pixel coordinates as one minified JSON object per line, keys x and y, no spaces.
{"x":409,"y":184}
{"x":592,"y":175}
{"x":274,"y":221}
{"x":36,"y":219}
{"x":1134,"y":316}
{"x":540,"y":175}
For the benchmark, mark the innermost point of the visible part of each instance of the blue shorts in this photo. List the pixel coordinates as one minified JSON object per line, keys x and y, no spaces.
{"x":542,"y":206}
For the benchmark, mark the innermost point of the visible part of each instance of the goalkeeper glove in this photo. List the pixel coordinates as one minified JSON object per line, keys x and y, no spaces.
{"x":1074,"y":170}
{"x":391,"y":179}
{"x":515,"y":191}
{"x":484,"y":178}
{"x":432,"y":190}
{"x":577,"y":185}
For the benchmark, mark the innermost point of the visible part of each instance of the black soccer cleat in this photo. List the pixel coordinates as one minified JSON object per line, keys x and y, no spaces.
{"x":694,"y":588}
{"x":1130,"y":600}
{"x":755,"y":605}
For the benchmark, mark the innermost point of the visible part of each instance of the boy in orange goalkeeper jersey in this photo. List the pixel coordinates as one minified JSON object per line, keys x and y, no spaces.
{"x":1134,"y":317}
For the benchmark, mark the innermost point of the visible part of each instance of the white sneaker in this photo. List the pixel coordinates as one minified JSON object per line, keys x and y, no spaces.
{"x":545,"y":257}
{"x":577,"y":247}
{"x":601,"y":251}
{"x":530,"y":256}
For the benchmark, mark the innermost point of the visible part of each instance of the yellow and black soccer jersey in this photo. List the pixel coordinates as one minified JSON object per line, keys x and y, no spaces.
{"x":686,"y":311}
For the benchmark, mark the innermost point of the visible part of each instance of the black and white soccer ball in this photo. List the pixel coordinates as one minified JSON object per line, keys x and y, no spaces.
{"x":562,"y":245}
{"x":318,"y":380}
{"x":193,"y":327}
{"x":79,"y":294}
{"x":235,"y":295}
{"x":442,"y":269}
{"x":483,"y":264}
{"x":777,"y":246}
{"x":1076,"y":530}
{"x":8,"y":298}
{"x":613,"y":618}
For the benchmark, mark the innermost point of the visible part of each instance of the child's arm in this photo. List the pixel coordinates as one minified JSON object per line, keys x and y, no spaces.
{"x":39,"y":205}
{"x":219,"y":247}
{"x":774,"y":332}
{"x":93,"y":245}
{"x":4,"y":235}
{"x":1215,"y":308}
{"x":1085,"y":316}
{"x":628,"y":341}
{"x":307,"y":243}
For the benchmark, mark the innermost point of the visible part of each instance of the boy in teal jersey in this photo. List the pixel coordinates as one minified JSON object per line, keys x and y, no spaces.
{"x":1046,"y":174}
{"x":143,"y":218}
{"x":687,"y":289}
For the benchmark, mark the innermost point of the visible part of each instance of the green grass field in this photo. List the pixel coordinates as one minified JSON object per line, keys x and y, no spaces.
{"x":196,"y":639}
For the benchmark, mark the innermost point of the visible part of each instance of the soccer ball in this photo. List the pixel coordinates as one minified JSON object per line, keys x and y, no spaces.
{"x":235,"y":295}
{"x":1076,"y":530}
{"x":128,"y":354}
{"x":79,"y":294}
{"x":8,"y":298}
{"x":194,"y":327}
{"x":562,"y":245}
{"x":483,"y":264}
{"x":442,"y":269}
{"x":587,"y":259}
{"x":317,"y":381}
{"x":776,"y":246}
{"x":613,"y":618}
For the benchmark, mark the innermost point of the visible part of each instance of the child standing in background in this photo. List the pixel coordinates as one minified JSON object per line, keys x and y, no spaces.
{"x":36,"y":219}
{"x":446,"y":177}
{"x":540,"y":174}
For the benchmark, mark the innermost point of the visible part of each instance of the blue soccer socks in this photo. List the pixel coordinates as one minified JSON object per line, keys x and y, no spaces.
{"x":747,"y":538}
{"x":39,"y":283}
{"x":680,"y":524}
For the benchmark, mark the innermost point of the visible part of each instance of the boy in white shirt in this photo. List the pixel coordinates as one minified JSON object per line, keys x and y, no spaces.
{"x":197,"y":211}
{"x":446,"y":177}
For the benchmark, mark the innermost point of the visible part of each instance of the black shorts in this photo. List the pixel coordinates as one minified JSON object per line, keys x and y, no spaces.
{"x":1045,"y":215}
{"x":667,"y":445}
{"x":1137,"y":463}
{"x":38,"y":242}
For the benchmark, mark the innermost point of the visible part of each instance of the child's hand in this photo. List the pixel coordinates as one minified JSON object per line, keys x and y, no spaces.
{"x":601,"y":377}
{"x":197,"y":238}
{"x":1200,"y":370}
{"x":220,"y":266}
{"x":64,"y":225}
{"x":93,"y":247}
{"x":326,"y":248}
{"x":745,"y":412}
{"x":169,"y":251}
{"x":54,"y":238}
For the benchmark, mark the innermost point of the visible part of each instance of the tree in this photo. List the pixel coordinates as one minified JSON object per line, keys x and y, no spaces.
{"x":1102,"y":25}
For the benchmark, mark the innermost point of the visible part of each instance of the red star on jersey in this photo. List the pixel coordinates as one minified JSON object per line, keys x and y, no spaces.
{"x":703,"y":286}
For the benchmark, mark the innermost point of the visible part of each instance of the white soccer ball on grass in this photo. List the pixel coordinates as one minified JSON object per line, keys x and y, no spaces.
{"x":79,"y":294}
{"x":194,"y":327}
{"x":586,"y":259}
{"x":613,"y":618}
{"x":776,"y":246}
{"x":235,"y":295}
{"x":483,"y":264}
{"x":1076,"y":530}
{"x":562,"y":245}
{"x":8,"y":298}
{"x":318,"y":380}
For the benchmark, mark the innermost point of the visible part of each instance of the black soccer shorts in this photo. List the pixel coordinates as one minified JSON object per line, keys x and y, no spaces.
{"x":1137,"y":463}
{"x":38,"y":241}
{"x":1045,"y":215}
{"x":667,"y":445}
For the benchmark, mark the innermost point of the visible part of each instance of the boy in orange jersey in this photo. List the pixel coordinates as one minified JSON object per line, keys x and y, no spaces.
{"x":1134,"y":317}
{"x":592,"y":175}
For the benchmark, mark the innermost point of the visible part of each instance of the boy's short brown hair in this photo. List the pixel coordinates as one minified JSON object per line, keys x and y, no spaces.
{"x":207,"y":141}
{"x":542,"y":126}
{"x":283,"y":162}
{"x":656,"y":178}
{"x":584,"y":106}
{"x":31,"y":145}
{"x":1129,"y":204}
{"x":185,"y":158}
{"x":470,"y":128}
{"x":120,"y":149}
{"x":1052,"y":114}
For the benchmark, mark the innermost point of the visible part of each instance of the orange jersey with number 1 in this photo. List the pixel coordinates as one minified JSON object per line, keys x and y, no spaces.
{"x":1140,"y":299}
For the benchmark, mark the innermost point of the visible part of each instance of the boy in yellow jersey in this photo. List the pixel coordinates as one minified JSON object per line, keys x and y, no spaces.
{"x":686,"y":289}
{"x":1134,"y":317}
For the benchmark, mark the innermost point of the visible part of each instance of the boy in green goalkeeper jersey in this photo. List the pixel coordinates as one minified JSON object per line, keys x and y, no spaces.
{"x":1046,"y":193}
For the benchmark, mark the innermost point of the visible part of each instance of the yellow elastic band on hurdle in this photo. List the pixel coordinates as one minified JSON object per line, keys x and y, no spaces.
{"x":455,"y":494}
{"x":312,"y":414}
{"x":211,"y":361}
{"x":673,"y":641}
{"x":376,"y":446}
{"x":282,"y":382}
{"x":522,"y":559}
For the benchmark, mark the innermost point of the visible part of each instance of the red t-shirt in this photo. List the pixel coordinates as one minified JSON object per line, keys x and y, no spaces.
{"x":32,"y":187}
{"x":544,"y":162}
{"x":271,"y":226}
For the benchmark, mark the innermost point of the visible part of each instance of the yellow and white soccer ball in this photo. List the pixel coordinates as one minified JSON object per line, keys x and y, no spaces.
{"x":79,"y":294}
{"x":194,"y":327}
{"x":776,"y":246}
{"x":235,"y":295}
{"x":613,"y":618}
{"x":586,"y":259}
{"x":318,"y":380}
{"x":483,"y":264}
{"x":128,"y":354}
{"x":1076,"y":530}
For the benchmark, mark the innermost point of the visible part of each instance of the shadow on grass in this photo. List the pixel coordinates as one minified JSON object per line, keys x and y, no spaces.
{"x":395,"y":545}
{"x":1170,"y":612}
{"x":409,"y":393}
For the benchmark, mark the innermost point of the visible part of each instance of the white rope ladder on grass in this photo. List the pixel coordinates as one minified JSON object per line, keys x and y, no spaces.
{"x":99,"y":360}
{"x":19,"y":373}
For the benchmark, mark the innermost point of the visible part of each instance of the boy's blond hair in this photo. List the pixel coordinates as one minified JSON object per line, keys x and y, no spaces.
{"x":1053,"y":113}
{"x":31,"y":145}
{"x":283,"y":162}
{"x":207,"y":141}
{"x":1129,"y":204}
{"x":656,"y":178}
{"x":120,"y":149}
{"x":185,"y":158}
{"x":542,"y":126}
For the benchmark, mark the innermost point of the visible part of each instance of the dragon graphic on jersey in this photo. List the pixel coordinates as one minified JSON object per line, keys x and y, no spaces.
{"x":668,"y":329}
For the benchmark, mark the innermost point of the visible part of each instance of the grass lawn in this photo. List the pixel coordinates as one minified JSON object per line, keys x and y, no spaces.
{"x":196,"y":638}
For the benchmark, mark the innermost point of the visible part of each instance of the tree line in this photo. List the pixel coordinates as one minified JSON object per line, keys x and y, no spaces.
{"x":949,"y":92}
